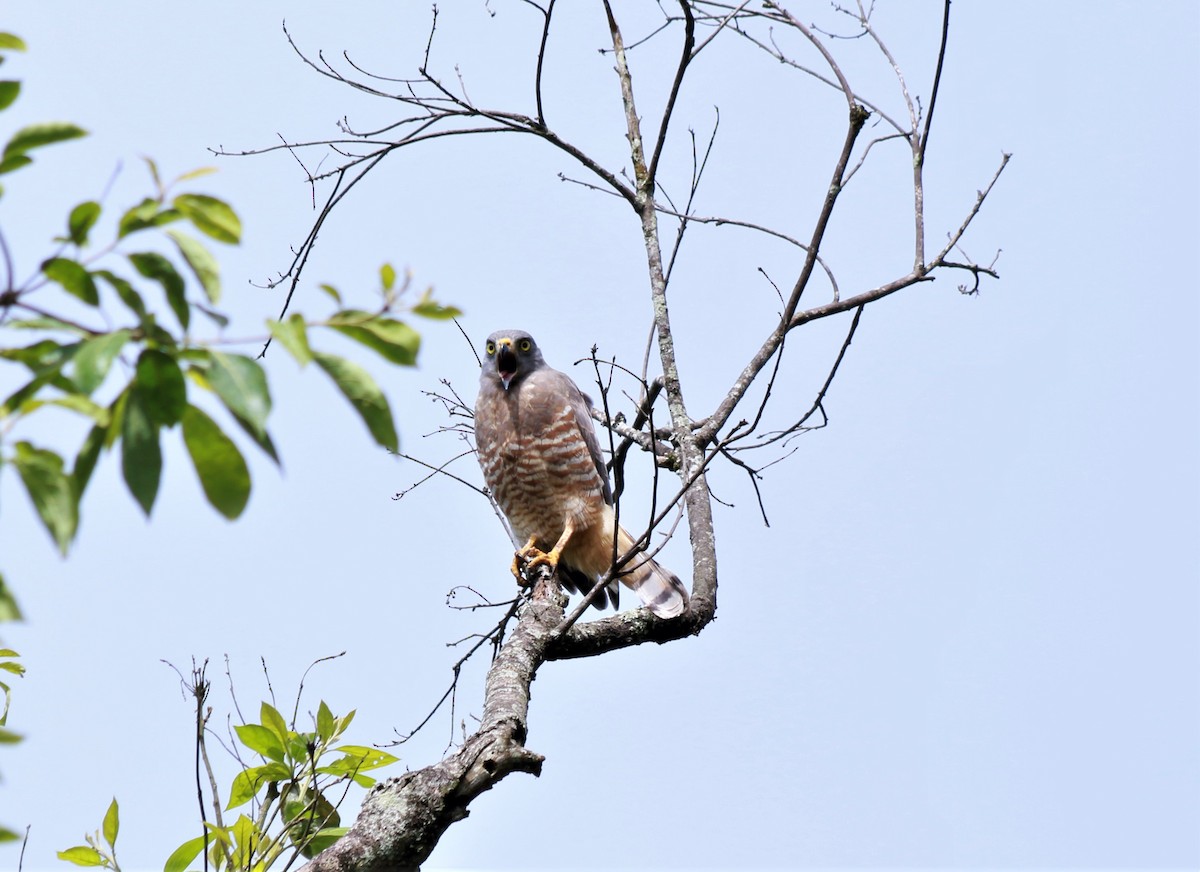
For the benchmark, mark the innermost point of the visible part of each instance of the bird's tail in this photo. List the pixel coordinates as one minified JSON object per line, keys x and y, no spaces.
{"x":659,"y":589}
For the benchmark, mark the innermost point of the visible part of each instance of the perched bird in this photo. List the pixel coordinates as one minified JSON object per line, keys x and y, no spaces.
{"x":542,"y":462}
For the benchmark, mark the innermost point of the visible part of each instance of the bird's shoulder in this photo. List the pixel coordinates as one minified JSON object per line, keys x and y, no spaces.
{"x":552,"y":383}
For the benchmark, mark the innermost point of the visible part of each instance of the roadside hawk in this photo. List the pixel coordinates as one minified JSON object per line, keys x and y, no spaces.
{"x":542,"y":461}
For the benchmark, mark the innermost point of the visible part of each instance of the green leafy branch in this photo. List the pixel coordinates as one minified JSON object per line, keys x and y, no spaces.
{"x":10,"y":665}
{"x":68,"y":368}
{"x":74,"y":359}
{"x":101,"y":847}
{"x":289,"y":793}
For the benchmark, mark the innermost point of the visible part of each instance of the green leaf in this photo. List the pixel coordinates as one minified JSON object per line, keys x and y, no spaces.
{"x":50,"y":489}
{"x":11,"y":42}
{"x":293,"y":333}
{"x":82,"y":405}
{"x":161,"y":386}
{"x":247,"y":839}
{"x":40,"y":356}
{"x":261,"y":438}
{"x":306,"y":814}
{"x":297,"y":745}
{"x":219,"y":465}
{"x":153,"y":265}
{"x":323,"y":839}
{"x":387,"y":276}
{"x":81,"y":221}
{"x":426,"y":307}
{"x":46,"y":323}
{"x":210,"y":216}
{"x":395,"y":340}
{"x":18,"y":399}
{"x":14,"y":162}
{"x":261,"y":740}
{"x":249,"y":781}
{"x":37,"y":135}
{"x":116,"y":411}
{"x":73,"y":277}
{"x":199,"y":373}
{"x":193,"y":174}
{"x":141,"y":456}
{"x":85,"y":460}
{"x":220,"y":837}
{"x":9,"y":91}
{"x":11,"y":666}
{"x":9,"y":610}
{"x":82,"y":855}
{"x":325,"y":722}
{"x":112,"y":824}
{"x":125,"y":291}
{"x":242,"y":386}
{"x":138,"y":217}
{"x":148,"y":213}
{"x":273,"y":720}
{"x":94,"y":358}
{"x":366,"y":397}
{"x":184,"y":854}
{"x":362,"y":758}
{"x":201,"y":262}
{"x":152,"y":166}
{"x":333,"y":292}
{"x":213,"y":315}
{"x":245,"y":785}
{"x":436,"y":311}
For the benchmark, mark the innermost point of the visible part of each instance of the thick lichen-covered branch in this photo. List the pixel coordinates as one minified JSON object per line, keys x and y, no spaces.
{"x":403,"y":818}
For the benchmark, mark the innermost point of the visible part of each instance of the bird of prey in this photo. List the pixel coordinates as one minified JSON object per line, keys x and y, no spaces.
{"x":542,"y":462}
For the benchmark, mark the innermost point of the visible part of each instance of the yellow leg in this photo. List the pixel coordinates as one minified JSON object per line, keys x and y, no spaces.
{"x":533,"y":557}
{"x":523,"y":555}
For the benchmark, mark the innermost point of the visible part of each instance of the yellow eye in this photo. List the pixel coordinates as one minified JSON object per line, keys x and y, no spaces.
{"x":526,"y":345}
{"x":490,"y":348}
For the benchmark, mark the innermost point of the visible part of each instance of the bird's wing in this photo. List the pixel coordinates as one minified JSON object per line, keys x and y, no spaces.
{"x":582,"y":405}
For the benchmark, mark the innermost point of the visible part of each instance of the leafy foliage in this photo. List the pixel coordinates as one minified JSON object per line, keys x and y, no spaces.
{"x":101,"y":847}
{"x":166,"y":372}
{"x":292,"y":794}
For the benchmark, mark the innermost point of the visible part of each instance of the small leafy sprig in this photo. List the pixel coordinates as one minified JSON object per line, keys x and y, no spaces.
{"x":292,"y":794}
{"x":101,"y":847}
{"x":289,"y":792}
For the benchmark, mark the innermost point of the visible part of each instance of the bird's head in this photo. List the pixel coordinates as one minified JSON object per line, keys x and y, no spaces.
{"x":511,"y":354}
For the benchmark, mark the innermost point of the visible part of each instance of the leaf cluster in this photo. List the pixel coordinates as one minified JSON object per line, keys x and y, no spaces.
{"x":91,"y":331}
{"x":100,"y":848}
{"x":292,"y":793}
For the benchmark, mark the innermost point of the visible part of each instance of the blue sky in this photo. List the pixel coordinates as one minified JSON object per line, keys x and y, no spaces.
{"x":969,"y":637}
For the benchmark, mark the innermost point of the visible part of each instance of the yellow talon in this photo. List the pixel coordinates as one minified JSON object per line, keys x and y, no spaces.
{"x":524,"y":560}
{"x":532,"y":556}
{"x":547,"y":558}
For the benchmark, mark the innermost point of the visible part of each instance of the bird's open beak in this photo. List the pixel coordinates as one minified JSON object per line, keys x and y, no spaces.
{"x":506,"y":362}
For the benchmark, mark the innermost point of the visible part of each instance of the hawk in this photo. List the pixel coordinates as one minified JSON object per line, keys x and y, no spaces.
{"x":541,"y":460}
